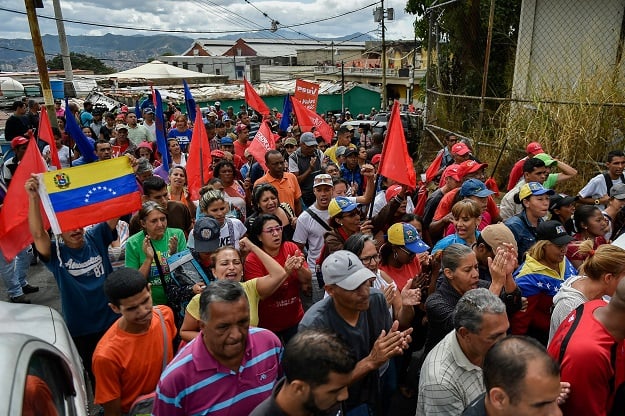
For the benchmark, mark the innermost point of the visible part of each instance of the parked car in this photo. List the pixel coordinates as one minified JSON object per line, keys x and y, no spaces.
{"x":413,"y":125}
{"x":42,"y":371}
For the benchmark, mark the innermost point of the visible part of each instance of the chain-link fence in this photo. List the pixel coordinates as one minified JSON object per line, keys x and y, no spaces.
{"x":555,"y":74}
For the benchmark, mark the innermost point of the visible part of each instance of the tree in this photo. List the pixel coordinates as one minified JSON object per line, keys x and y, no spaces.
{"x":80,"y":61}
{"x":463,"y":28}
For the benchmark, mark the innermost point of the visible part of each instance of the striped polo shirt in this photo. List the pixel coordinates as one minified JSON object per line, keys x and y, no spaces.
{"x":195,"y":383}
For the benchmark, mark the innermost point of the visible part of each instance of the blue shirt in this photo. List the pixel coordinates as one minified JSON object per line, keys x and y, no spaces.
{"x":524,"y":232}
{"x":352,"y":176}
{"x":80,"y":274}
{"x":183,"y":138}
{"x":451,"y":239}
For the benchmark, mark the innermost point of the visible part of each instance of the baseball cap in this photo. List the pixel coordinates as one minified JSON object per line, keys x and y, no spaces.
{"x":226,"y":141}
{"x":451,"y":171}
{"x":460,"y":149}
{"x":350,"y":151}
{"x":18,"y":141}
{"x":376,"y":159}
{"x":533,"y":188}
{"x":553,"y":231}
{"x":495,"y":235}
{"x":392,"y":191}
{"x":340,"y":151}
{"x":557,"y":201}
{"x":549,"y":162}
{"x":217,"y":153}
{"x":206,"y":234}
{"x":225,"y":118}
{"x":404,"y":234}
{"x":475,"y":187}
{"x":323,"y":179}
{"x":618,"y":191}
{"x":291,"y":142}
{"x":345,"y":127}
{"x":212,"y":114}
{"x":344,"y":269}
{"x":534,"y":148}
{"x":148,"y":110}
{"x":121,"y":127}
{"x":217,"y":104}
{"x":57,"y":101}
{"x":340,"y":205}
{"x":308,"y":139}
{"x":470,"y":166}
{"x":241,"y":127}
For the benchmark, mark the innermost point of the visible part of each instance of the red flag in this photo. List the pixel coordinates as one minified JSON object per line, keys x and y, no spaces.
{"x":307,"y":119}
{"x":263,"y":142}
{"x":396,"y":163}
{"x":45,"y":134}
{"x":307,"y":93}
{"x":14,"y":232}
{"x":432,"y":170}
{"x":199,"y":160}
{"x":254,"y":100}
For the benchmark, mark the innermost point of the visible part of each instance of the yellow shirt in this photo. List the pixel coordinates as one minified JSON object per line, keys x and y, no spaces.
{"x":331,"y":152}
{"x":249,"y":286}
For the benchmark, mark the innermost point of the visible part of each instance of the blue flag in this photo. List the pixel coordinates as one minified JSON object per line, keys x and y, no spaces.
{"x":138,"y":110}
{"x":189,"y":102}
{"x":286,"y":114}
{"x":159,"y":119}
{"x":72,"y":128}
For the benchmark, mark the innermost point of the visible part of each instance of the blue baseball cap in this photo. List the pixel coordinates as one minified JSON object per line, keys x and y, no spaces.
{"x":475,"y":187}
{"x":226,"y":141}
{"x":339,"y":205}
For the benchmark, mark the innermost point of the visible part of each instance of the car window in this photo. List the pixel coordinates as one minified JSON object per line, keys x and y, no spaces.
{"x":49,"y":387}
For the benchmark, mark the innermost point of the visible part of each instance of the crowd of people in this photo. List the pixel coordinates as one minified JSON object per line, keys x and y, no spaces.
{"x":323,"y":288}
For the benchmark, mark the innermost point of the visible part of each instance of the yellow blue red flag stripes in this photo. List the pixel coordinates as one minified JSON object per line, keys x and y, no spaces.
{"x":89,"y":194}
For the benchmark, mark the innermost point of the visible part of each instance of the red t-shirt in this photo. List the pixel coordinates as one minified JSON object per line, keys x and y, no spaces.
{"x":587,"y":363}
{"x":444,"y":207}
{"x":516,"y":173}
{"x":239,"y":148}
{"x":403,"y":274}
{"x":283,"y":309}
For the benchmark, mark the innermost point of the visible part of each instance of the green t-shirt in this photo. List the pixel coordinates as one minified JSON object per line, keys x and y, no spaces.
{"x":135,"y":258}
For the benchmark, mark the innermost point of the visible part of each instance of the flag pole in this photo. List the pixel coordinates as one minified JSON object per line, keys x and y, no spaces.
{"x":375,"y":184}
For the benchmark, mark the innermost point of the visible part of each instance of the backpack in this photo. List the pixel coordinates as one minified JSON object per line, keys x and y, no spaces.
{"x":143,"y":405}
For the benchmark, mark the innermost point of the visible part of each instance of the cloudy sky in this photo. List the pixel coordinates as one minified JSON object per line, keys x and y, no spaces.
{"x":210,"y":18}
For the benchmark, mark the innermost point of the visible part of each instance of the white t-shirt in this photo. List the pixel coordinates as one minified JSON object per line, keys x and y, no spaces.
{"x":380,"y":202}
{"x":309,"y":230}
{"x":596,"y":188}
{"x":63,"y":153}
{"x":151,"y":128}
{"x":225,"y":236}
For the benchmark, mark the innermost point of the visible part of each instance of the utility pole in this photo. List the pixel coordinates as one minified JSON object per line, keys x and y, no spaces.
{"x":384,"y":97}
{"x":60,"y":27}
{"x":342,"y":87}
{"x":42,"y":66}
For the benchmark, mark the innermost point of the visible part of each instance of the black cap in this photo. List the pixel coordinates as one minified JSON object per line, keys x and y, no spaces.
{"x":558,"y":201}
{"x":553,"y":231}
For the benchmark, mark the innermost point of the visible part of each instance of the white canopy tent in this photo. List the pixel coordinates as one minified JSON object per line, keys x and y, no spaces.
{"x":161,"y":73}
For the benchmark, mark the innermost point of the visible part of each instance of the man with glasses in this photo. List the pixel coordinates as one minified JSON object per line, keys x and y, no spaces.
{"x":305,"y":163}
{"x":312,"y":224}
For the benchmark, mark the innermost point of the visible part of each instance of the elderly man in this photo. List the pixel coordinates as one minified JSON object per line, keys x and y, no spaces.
{"x":451,"y":375}
{"x":229,"y":369}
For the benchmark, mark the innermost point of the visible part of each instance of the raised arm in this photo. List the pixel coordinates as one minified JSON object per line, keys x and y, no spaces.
{"x":35,"y":221}
{"x":277,"y":274}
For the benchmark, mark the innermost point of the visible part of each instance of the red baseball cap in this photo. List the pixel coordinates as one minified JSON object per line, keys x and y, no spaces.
{"x":534,"y":148}
{"x":376,"y":159}
{"x":460,"y":149}
{"x":451,"y":171}
{"x":392,"y":192}
{"x":218,"y":153}
{"x":18,"y":141}
{"x":470,"y":166}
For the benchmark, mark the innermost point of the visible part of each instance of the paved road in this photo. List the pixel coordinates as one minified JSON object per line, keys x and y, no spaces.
{"x":48,"y":293}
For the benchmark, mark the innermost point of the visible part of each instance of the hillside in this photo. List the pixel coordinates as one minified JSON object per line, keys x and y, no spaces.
{"x":117,"y":51}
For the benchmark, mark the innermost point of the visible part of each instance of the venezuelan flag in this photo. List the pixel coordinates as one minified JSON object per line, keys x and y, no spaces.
{"x":89,"y":194}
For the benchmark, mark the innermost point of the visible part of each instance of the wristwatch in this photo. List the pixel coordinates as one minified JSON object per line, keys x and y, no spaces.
{"x":597,"y":202}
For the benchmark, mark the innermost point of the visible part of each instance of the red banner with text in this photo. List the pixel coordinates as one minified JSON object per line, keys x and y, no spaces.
{"x":307,"y":93}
